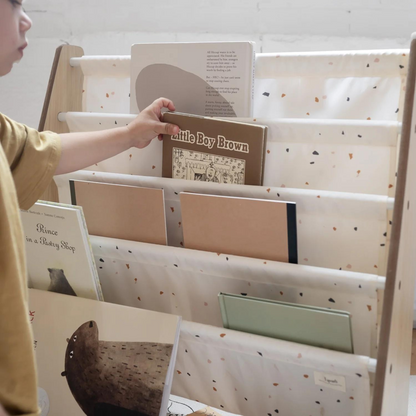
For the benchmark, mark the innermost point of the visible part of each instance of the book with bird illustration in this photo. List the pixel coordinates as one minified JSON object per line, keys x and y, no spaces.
{"x":98,"y":358}
{"x":58,"y":251}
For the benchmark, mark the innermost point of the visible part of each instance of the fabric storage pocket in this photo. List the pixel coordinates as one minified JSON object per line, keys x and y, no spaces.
{"x":187,"y":282}
{"x":253,"y":375}
{"x":334,"y":229}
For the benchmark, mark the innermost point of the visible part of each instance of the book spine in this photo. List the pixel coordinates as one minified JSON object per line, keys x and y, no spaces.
{"x":72,"y":190}
{"x":223,"y":310}
{"x":253,"y":71}
{"x":292,"y":233}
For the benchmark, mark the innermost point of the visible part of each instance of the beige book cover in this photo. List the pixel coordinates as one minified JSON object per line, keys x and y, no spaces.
{"x":258,"y":228}
{"x":121,"y":211}
{"x":214,"y":150}
{"x":97,"y":358}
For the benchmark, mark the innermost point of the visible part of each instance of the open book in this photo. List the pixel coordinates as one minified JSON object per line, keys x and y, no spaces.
{"x":205,"y":78}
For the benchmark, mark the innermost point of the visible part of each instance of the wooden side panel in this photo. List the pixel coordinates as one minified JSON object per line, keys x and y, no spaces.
{"x":391,"y":388}
{"x":64,"y":93}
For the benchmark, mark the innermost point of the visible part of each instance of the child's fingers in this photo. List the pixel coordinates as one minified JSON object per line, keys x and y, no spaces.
{"x":166,"y":128}
{"x":164,"y":102}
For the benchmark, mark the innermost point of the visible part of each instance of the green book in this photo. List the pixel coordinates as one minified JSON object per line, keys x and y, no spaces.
{"x":310,"y":325}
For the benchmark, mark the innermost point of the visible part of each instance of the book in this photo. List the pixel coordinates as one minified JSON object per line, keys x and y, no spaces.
{"x":311,"y":325}
{"x":98,"y":358}
{"x":213,"y":150}
{"x":259,"y":228}
{"x":58,"y":252}
{"x":121,"y":211}
{"x":205,"y":78}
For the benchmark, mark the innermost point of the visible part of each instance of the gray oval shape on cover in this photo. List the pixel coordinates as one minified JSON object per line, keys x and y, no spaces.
{"x":183,"y":88}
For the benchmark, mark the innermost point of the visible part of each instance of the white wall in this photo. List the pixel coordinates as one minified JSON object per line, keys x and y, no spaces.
{"x":111,"y":26}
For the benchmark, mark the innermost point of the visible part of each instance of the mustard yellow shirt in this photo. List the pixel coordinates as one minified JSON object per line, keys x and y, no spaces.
{"x":28,"y":160}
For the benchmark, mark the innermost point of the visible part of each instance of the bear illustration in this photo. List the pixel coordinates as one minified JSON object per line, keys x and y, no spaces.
{"x":115,"y":378}
{"x":59,"y":283}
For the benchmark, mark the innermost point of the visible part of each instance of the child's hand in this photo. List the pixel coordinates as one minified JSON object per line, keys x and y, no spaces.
{"x":147,"y":125}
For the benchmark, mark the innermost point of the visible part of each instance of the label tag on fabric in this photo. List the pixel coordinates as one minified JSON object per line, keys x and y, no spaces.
{"x":330,"y":380}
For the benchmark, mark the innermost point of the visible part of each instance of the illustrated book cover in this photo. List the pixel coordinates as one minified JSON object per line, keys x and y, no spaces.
{"x":213,"y":150}
{"x":258,"y":228}
{"x":98,"y":358}
{"x":58,"y":251}
{"x":320,"y":327}
{"x":205,"y":78}
{"x":121,"y":211}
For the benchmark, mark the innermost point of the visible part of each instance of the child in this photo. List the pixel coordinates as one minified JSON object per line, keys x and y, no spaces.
{"x":28,"y":160}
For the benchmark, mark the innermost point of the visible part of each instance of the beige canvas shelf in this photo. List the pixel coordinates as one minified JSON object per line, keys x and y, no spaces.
{"x":344,"y":86}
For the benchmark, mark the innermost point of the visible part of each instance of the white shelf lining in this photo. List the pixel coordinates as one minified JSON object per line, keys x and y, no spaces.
{"x":286,"y":274}
{"x":342,"y":131}
{"x":274,"y":349}
{"x":309,"y":201}
{"x":332,"y":64}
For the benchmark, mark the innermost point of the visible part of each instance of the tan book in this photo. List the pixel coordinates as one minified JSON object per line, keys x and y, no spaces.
{"x":258,"y":228}
{"x":213,"y":150}
{"x":122,"y":211}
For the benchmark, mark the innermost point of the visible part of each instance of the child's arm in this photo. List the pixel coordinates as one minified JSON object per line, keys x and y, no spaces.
{"x":80,"y":150}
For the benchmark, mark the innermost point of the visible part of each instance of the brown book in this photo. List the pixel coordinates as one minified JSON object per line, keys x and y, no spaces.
{"x":213,"y":150}
{"x":122,"y":211}
{"x":258,"y":228}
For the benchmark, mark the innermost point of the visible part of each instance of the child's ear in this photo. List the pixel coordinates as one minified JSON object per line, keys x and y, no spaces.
{"x":67,"y":340}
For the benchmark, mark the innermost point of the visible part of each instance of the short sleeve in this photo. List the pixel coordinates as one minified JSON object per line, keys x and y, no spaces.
{"x":32,"y":157}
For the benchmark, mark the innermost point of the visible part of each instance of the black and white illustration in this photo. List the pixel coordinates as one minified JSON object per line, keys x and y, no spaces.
{"x":205,"y":167}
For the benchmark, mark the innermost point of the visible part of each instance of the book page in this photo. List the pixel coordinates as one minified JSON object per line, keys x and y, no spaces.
{"x":211,"y":79}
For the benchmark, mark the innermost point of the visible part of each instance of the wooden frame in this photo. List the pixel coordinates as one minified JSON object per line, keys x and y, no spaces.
{"x":393,"y":361}
{"x":64,"y":93}
{"x":391,"y":389}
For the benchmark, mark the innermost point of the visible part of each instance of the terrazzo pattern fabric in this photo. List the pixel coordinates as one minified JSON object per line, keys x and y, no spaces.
{"x":187,"y":283}
{"x":334,"y":155}
{"x":334,"y":123}
{"x":252,"y":375}
{"x":336,"y":230}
